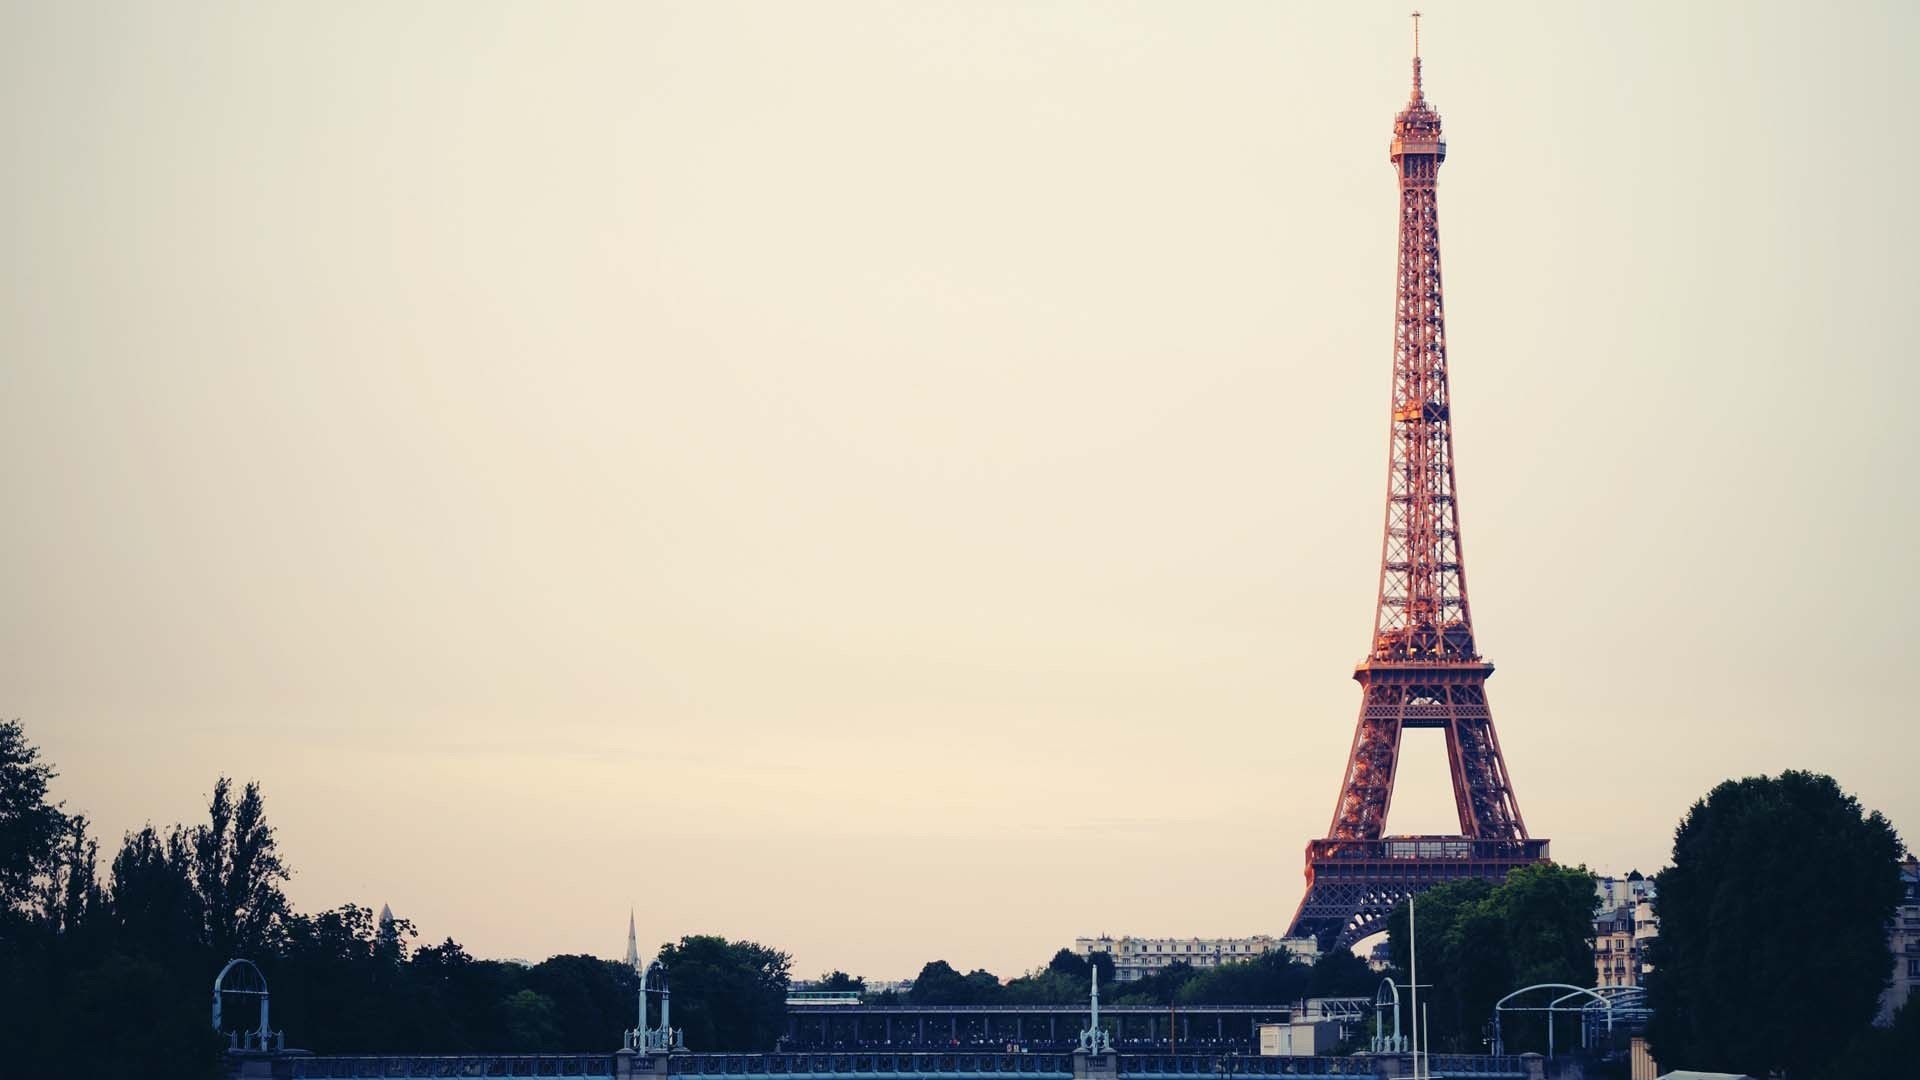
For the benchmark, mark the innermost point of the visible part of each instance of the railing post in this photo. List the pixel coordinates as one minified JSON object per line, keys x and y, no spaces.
{"x":1091,"y":1066}
{"x":1386,"y":1066}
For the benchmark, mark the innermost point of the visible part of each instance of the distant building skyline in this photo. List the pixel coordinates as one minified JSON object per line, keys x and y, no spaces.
{"x":1136,"y":958}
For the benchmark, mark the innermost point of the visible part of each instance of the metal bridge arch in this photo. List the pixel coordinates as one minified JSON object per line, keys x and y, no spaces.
{"x":653,"y":983}
{"x":1624,"y":1004}
{"x":242,"y":977}
{"x":1556,"y":1005}
{"x":1387,"y":999}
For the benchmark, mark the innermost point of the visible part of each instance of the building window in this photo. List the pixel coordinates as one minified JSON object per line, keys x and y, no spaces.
{"x":1913,"y":967}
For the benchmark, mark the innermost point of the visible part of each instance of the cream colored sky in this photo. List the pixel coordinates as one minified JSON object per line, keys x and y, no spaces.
{"x":900,"y":481}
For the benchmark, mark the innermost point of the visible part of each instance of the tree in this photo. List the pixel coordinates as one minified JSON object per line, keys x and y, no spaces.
{"x":453,"y":998}
{"x":838,"y":981}
{"x":1890,"y":1051}
{"x":150,"y":899}
{"x":1069,"y":963}
{"x":237,"y":869}
{"x":1780,"y":893}
{"x":596,"y":999}
{"x":71,"y":893}
{"x":1490,"y":939}
{"x":983,"y":987}
{"x":1103,"y":963}
{"x":1547,"y":915}
{"x":937,"y":984}
{"x":333,"y":971}
{"x":530,"y":1021}
{"x":728,"y":995}
{"x":1339,"y":973}
{"x":31,"y":828}
{"x":1272,"y":978}
{"x":124,"y":1009}
{"x":1044,"y":987}
{"x":1160,"y":988}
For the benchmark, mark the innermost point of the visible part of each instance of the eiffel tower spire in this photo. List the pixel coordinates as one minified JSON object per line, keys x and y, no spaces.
{"x":1418,"y":93}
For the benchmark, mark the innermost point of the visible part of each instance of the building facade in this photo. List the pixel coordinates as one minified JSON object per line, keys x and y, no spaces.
{"x":1646,"y":927}
{"x":1136,"y":958}
{"x":1616,"y":960}
{"x":1623,"y":891}
{"x":1622,"y":928}
{"x":1903,"y":939}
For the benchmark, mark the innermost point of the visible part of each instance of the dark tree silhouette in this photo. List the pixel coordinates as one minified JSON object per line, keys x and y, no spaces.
{"x":939,"y":984}
{"x":596,"y":999}
{"x":840,"y":982}
{"x":1072,"y":965}
{"x":1104,"y":962}
{"x":728,"y":995}
{"x":31,"y":828}
{"x":1891,"y":1051}
{"x":1779,"y":895}
{"x":237,"y":868}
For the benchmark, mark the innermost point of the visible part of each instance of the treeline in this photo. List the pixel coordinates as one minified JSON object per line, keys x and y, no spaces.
{"x":101,"y":966}
{"x":1273,"y":978}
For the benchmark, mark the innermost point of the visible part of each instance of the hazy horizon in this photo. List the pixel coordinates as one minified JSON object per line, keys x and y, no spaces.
{"x":903,"y":481}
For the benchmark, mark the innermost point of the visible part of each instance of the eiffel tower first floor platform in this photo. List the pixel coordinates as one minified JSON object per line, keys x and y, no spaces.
{"x":1353,"y":885}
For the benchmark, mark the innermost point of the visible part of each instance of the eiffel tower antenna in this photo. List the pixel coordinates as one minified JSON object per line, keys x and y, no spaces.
{"x":1417,"y":92}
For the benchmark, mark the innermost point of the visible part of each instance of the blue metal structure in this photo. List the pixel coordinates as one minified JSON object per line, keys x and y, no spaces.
{"x":878,"y":1066}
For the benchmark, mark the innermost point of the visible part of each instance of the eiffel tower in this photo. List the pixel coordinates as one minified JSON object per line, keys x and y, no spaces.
{"x":1424,"y":669}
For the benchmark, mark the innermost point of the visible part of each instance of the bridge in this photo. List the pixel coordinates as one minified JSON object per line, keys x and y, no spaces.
{"x":630,"y":1065}
{"x":659,"y":1053}
{"x":843,"y":1025}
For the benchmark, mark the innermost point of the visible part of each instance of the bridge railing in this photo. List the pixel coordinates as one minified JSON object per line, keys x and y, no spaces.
{"x":1476,"y":1064}
{"x":1227,"y":1066}
{"x":1032,"y":1010}
{"x":811,"y":1064}
{"x":364,"y":1067}
{"x":880,"y":1066}
{"x":1224,"y":1067}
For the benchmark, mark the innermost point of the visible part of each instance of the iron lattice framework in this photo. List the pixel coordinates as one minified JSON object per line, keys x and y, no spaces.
{"x":1424,"y":669}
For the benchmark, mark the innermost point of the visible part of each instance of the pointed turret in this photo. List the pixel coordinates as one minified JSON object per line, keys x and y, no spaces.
{"x":633,"y":944}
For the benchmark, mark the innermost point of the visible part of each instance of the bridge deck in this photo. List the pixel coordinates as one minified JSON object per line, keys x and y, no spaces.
{"x":869,"y":1066}
{"x":1076,"y":1009}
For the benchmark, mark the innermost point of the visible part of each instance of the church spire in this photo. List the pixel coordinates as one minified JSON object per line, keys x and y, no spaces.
{"x":633,"y":943}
